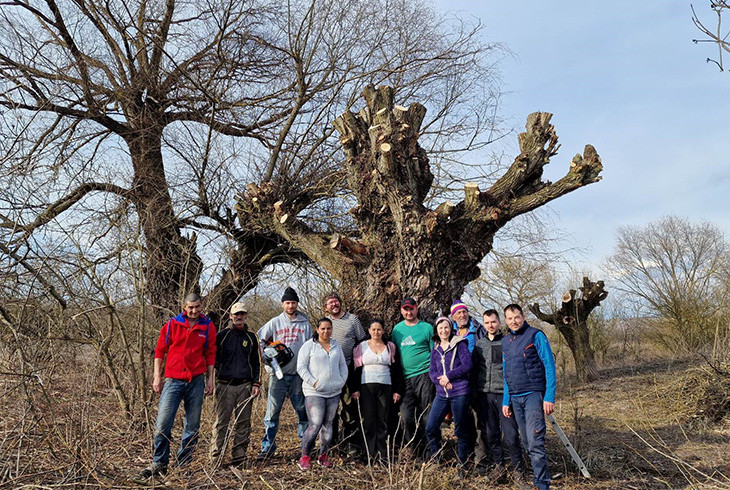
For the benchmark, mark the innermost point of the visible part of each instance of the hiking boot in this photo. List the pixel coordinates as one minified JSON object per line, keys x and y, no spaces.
{"x":520,"y":480}
{"x":304,"y":463}
{"x":264,"y":455}
{"x":481,"y":470}
{"x":149,"y":473}
{"x":324,"y":461}
{"x":497,"y":473}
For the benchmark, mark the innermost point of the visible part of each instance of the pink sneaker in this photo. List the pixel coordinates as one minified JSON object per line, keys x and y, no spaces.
{"x":324,"y":461}
{"x":304,"y":463}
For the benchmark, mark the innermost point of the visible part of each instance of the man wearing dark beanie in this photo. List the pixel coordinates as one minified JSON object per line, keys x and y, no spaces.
{"x":292,"y":329}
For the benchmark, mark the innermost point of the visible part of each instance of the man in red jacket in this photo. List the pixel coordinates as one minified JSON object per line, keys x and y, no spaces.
{"x":188,"y":340}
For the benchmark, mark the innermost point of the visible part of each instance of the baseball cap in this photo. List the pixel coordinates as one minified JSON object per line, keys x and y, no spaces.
{"x":408,"y":303}
{"x":238,"y":308}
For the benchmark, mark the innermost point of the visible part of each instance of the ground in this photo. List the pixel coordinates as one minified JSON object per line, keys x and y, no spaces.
{"x":642,"y":426}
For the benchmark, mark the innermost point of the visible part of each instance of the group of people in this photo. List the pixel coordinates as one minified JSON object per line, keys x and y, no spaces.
{"x":493,"y":385}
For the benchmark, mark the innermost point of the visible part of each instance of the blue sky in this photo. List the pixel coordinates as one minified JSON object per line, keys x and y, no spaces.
{"x":625,"y":77}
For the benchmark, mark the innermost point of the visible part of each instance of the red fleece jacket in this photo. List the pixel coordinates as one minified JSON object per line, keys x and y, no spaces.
{"x":189,"y":350}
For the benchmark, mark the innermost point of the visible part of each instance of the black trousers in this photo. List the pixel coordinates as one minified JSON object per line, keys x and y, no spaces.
{"x":496,"y":424}
{"x":375,"y":402}
{"x":419,"y":394}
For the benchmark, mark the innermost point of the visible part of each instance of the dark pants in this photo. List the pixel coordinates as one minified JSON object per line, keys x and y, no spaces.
{"x":528,"y":412}
{"x":459,"y":406}
{"x":414,"y":408}
{"x":495,"y":424}
{"x":375,"y":402}
{"x":348,"y":415}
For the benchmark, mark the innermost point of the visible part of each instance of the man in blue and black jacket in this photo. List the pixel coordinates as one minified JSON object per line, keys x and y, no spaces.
{"x":238,"y":372}
{"x":529,"y":387}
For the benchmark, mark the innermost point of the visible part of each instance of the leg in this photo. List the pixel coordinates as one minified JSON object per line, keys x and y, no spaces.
{"x":224,"y":404}
{"x":172,"y":394}
{"x":274,"y":402}
{"x":297,"y":401}
{"x":350,"y":418}
{"x":480,"y":422}
{"x":242,"y":422}
{"x":531,"y":421}
{"x":369,"y":408}
{"x":408,"y":408}
{"x":384,"y":399}
{"x":315,"y":407}
{"x":426,"y":394}
{"x":326,"y":433}
{"x":436,"y":415}
{"x":193,"y":401}
{"x":493,"y":415}
{"x":463,"y":428}
{"x":511,"y":437}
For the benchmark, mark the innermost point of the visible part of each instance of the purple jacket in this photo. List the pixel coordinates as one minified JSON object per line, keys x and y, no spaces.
{"x":455,"y":362}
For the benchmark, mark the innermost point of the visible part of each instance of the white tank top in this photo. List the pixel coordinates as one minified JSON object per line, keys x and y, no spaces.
{"x":375,"y":367}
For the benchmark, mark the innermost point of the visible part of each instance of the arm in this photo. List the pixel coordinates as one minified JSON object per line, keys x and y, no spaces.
{"x":254,"y":356}
{"x":303,"y":364}
{"x":160,"y":352}
{"x":396,"y":376}
{"x":461,"y":371}
{"x":157,"y":376}
{"x":210,"y":355}
{"x":266,"y":333}
{"x":505,"y":397}
{"x":433,"y":368}
{"x":548,"y":361}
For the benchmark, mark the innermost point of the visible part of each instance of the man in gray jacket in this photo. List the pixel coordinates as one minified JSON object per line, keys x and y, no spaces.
{"x":292,"y":329}
{"x":488,"y":387}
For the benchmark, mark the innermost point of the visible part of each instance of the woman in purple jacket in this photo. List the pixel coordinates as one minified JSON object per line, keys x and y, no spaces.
{"x":449,"y":371}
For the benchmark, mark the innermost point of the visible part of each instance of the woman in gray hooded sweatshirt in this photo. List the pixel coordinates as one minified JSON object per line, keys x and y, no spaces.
{"x":323,"y":369}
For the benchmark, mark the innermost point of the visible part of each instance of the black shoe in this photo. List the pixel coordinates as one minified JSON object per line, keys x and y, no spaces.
{"x":481,"y":470}
{"x":497,"y":473}
{"x":148,"y":474}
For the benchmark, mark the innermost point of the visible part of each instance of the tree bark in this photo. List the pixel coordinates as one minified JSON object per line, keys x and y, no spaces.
{"x":173,"y":266}
{"x":571,"y":320}
{"x":398,"y":247}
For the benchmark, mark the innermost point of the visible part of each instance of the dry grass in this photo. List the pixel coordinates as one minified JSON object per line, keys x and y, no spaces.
{"x":637,"y":427}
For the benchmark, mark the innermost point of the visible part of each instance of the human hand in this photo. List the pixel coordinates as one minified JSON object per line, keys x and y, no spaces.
{"x":355,"y":395}
{"x":157,"y":384}
{"x":255,"y":391}
{"x":506,"y":411}
{"x":548,"y":407}
{"x":396,"y":397}
{"x":209,"y":386}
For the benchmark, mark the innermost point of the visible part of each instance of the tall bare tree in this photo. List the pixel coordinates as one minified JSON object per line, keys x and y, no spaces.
{"x":677,"y":270}
{"x":395,"y":245}
{"x":101,"y":98}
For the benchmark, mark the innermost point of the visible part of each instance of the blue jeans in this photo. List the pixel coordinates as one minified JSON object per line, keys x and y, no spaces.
{"x":321,"y":413}
{"x":460,"y":410}
{"x":530,"y":418}
{"x":278,"y":389}
{"x":173,"y":392}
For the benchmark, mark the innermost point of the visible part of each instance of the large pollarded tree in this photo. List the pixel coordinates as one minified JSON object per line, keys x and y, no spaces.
{"x":395,"y":245}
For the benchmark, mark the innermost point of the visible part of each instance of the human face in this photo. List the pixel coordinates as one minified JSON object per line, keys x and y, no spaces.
{"x":461,"y":317}
{"x":376,"y":331}
{"x":324,"y":329}
{"x":239,"y":319}
{"x":409,"y":314}
{"x":193,"y":310}
{"x":513,"y":319}
{"x":443,"y":329}
{"x":333,"y":307}
{"x":492,"y":324}
{"x":290,"y":307}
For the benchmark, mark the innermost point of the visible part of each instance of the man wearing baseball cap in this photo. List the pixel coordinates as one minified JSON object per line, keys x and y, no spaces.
{"x":413,"y":339}
{"x":238,"y":373}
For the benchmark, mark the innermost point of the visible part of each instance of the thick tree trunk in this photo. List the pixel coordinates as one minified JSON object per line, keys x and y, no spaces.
{"x":402,"y":248}
{"x":571,"y":320}
{"x":172,"y":266}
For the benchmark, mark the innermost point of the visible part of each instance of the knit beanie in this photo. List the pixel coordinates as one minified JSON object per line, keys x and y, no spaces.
{"x":458,"y":305}
{"x":441,"y":319}
{"x":290,"y":295}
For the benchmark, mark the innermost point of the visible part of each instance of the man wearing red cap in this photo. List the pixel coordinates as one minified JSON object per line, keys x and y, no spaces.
{"x":413,"y":339}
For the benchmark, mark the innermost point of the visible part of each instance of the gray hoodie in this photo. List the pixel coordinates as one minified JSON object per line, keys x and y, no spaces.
{"x":292,"y":333}
{"x":327,"y":369}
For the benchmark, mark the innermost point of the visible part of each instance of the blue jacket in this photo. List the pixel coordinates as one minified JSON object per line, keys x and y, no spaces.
{"x":528,"y":364}
{"x":476,"y":331}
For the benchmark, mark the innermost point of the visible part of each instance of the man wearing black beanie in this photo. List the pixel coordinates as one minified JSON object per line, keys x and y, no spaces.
{"x":292,"y":329}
